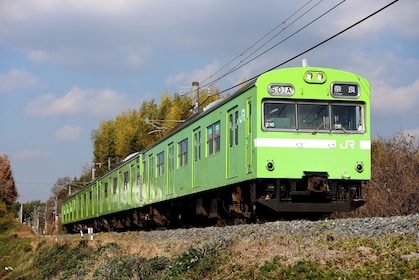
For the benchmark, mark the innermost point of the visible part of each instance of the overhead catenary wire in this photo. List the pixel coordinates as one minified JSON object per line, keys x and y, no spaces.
{"x":260,"y":40}
{"x":313,"y":47}
{"x":244,"y":62}
{"x":288,"y":37}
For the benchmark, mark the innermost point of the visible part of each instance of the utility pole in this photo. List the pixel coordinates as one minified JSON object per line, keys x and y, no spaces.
{"x":94,"y":168}
{"x":195,"y":97}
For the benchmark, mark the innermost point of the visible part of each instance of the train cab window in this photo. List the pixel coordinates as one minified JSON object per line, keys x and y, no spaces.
{"x":279,"y":115}
{"x":347,"y":117}
{"x":313,"y":116}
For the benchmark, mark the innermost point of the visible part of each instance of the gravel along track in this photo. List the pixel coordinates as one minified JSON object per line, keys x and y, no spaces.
{"x":344,"y":228}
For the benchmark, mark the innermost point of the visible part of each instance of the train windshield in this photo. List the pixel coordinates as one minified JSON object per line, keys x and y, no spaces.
{"x":313,"y":117}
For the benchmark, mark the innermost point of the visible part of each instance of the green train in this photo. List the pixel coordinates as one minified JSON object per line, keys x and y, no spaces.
{"x":296,"y":140}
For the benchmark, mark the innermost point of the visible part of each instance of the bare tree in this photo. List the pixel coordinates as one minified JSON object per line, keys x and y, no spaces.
{"x":394,"y":187}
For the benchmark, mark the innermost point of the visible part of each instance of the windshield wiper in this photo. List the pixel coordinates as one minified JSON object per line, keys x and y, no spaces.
{"x":317,"y":128}
{"x":338,"y":126}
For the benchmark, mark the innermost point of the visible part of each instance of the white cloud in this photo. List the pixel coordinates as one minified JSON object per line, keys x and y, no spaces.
{"x":185,"y":79}
{"x":68,"y":133}
{"x":86,"y":59}
{"x":401,"y":18}
{"x":387,"y":100}
{"x":17,"y":79}
{"x":27,"y":9}
{"x":30,"y":154}
{"x":139,"y":58}
{"x":101,"y":103}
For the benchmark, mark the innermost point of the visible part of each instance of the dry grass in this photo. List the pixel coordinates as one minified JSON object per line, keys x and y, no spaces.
{"x":132,"y":243}
{"x":23,"y":231}
{"x":238,"y":255}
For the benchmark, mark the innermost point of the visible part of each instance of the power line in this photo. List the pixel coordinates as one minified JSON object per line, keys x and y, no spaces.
{"x":288,"y":37}
{"x":243,"y":63}
{"x":313,"y":47}
{"x":257,"y":42}
{"x":237,"y":66}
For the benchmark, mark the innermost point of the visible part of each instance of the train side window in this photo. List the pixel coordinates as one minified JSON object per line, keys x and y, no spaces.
{"x":126,"y":180}
{"x":183,"y":152}
{"x":115,"y":185}
{"x":236,"y":127}
{"x":138,"y":178}
{"x":85,"y":205}
{"x":231,"y":129}
{"x":144,"y":171}
{"x":151,"y":166}
{"x":90,"y":201}
{"x":171,"y":157}
{"x":210,"y":142}
{"x":197,"y":144}
{"x":160,"y":164}
{"x":213,"y":138}
{"x":79,"y":207}
{"x":217,"y":137}
{"x":106,"y":189}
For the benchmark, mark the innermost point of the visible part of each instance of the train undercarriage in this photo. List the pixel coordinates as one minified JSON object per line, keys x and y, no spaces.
{"x":261,"y":200}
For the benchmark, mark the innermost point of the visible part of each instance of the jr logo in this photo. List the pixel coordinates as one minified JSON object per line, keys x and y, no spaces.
{"x":348,"y":144}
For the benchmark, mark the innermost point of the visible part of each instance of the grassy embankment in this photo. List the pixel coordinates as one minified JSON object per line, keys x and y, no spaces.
{"x":126,"y":256}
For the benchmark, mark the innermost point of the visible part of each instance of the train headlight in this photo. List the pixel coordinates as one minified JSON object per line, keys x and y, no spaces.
{"x":359,"y":167}
{"x":270,"y":165}
{"x":315,"y":77}
{"x":319,"y":76}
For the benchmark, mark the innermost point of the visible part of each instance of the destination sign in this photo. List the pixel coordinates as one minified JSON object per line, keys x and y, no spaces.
{"x":345,"y":90}
{"x":281,"y":89}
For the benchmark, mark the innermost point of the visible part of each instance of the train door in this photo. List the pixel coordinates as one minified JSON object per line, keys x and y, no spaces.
{"x":170,"y":168}
{"x":249,"y":137}
{"x":233,"y":161}
{"x":196,"y":158}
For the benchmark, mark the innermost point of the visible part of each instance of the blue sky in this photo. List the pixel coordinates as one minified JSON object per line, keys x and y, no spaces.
{"x":66,"y":65}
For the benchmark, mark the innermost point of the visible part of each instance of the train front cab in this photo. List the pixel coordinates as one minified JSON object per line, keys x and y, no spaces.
{"x":312,"y":146}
